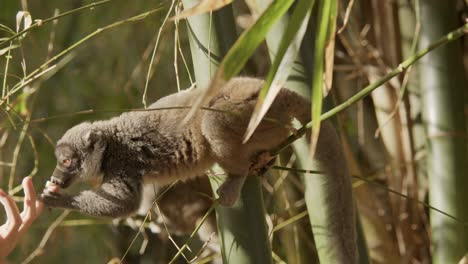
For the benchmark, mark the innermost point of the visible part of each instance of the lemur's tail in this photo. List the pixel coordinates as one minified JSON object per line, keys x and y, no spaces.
{"x":337,"y":182}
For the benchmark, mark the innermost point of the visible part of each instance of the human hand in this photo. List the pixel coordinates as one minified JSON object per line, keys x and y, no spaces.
{"x":17,"y":223}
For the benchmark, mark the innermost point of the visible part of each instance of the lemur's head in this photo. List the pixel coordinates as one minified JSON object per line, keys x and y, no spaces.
{"x":79,"y":155}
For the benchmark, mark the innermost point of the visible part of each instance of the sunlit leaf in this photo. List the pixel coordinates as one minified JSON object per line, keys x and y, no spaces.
{"x":21,"y":104}
{"x":282,"y":64}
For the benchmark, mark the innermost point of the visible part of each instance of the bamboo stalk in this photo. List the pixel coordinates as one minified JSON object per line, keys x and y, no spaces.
{"x":242,"y":229}
{"x":443,"y":84}
{"x":316,"y":196}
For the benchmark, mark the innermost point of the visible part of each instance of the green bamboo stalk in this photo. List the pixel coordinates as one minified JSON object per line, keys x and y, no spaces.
{"x":315,"y":195}
{"x":443,"y":86}
{"x":242,"y":229}
{"x":297,"y":81}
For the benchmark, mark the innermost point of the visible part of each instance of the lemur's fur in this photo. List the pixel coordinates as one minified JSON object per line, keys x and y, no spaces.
{"x":151,"y":146}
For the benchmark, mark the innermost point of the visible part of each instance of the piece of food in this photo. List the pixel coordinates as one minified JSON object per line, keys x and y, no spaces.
{"x":49,"y":184}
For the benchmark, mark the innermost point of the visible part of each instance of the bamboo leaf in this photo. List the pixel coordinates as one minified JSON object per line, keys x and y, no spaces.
{"x":282,"y":63}
{"x":203,"y":6}
{"x":249,"y":41}
{"x":325,"y":15}
{"x":241,"y":51}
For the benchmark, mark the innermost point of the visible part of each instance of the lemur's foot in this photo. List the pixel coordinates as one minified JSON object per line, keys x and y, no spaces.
{"x":230,"y":190}
{"x":261,"y":163}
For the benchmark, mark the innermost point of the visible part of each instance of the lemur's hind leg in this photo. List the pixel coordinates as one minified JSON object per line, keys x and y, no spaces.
{"x":230,"y":190}
{"x":224,"y":131}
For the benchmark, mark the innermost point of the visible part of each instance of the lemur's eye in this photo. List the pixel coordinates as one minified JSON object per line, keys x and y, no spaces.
{"x":66,"y":162}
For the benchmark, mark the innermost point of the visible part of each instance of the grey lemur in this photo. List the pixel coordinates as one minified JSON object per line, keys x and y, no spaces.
{"x":141,"y":147}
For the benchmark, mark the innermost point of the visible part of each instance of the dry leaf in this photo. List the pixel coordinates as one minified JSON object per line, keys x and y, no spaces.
{"x":329,"y":57}
{"x":23,"y":16}
{"x":202,"y":7}
{"x":328,"y":69}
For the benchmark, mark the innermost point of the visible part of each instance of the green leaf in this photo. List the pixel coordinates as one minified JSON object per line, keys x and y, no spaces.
{"x":21,"y":105}
{"x":326,"y":11}
{"x":249,"y":41}
{"x":282,"y":64}
{"x":242,"y":50}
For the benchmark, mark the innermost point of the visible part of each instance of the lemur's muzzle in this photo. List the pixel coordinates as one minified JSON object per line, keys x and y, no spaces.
{"x":61,"y":178}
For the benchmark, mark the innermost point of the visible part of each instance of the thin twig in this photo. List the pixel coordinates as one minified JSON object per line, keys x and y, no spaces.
{"x":346,"y":17}
{"x":135,"y":237}
{"x":41,"y":69}
{"x":148,"y":214}
{"x":40,"y":249}
{"x":16,"y":153}
{"x":41,"y":22}
{"x":451,"y":36}
{"x":150,"y":67}
{"x":193,"y":234}
{"x":365,"y":179}
{"x":92,"y":111}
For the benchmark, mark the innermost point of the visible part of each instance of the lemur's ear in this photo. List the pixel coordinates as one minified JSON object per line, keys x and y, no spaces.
{"x":91,"y":137}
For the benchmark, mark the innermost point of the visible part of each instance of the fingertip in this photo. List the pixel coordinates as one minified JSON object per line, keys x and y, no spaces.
{"x":28,"y":187}
{"x":27,"y":183}
{"x":26,"y":179}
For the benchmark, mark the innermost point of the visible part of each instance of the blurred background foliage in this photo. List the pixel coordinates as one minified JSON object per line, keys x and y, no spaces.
{"x":384,"y":134}
{"x":106,"y":72}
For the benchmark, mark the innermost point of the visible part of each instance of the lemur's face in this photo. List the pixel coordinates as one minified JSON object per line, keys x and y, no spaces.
{"x":68,"y":167}
{"x":79,"y":156}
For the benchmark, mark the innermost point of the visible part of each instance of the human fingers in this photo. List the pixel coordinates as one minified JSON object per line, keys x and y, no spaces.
{"x":10,"y":228}
{"x":39,"y":203}
{"x":30,"y":211}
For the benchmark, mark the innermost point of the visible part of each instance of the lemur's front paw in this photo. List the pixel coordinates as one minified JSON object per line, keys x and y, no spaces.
{"x":53,"y":199}
{"x":261,"y":163}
